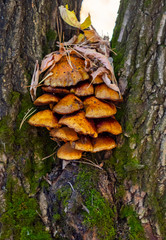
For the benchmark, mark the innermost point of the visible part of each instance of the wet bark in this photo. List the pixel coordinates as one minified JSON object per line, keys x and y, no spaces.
{"x":38,"y":199}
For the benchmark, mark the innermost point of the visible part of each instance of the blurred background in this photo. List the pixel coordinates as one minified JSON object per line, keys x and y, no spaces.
{"x":103,"y":14}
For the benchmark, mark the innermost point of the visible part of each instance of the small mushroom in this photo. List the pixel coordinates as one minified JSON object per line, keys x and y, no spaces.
{"x":44,"y":118}
{"x":83,"y":144}
{"x":95,"y":108}
{"x":46,"y":99}
{"x":103,"y":143}
{"x":66,"y":152}
{"x":68,"y":104}
{"x":67,"y":72}
{"x":104,"y":92}
{"x":65,"y":134}
{"x":83,"y":89}
{"x":79,"y":123}
{"x":110,"y":125}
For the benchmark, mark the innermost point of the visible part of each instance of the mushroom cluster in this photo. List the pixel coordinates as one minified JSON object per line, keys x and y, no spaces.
{"x":79,"y":94}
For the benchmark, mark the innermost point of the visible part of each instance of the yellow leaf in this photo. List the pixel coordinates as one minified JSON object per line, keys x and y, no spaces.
{"x":86,"y":23}
{"x":69,"y":17}
{"x":80,"y":38}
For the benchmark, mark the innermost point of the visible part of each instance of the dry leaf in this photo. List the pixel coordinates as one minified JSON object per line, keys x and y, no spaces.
{"x":69,"y":17}
{"x":88,"y":64}
{"x":34,"y":81}
{"x":99,"y":71}
{"x":92,"y":36}
{"x":107,"y":81}
{"x":80,"y":38}
{"x":86,"y":23}
{"x":71,"y":40}
{"x":91,"y":53}
{"x":45,"y":64}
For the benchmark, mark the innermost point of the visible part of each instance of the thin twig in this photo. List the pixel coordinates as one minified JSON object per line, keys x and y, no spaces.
{"x":94,"y":165}
{"x":48,"y":75}
{"x":49,"y":155}
{"x":27,"y":115}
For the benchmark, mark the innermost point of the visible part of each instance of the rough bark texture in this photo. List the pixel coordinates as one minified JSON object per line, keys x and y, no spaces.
{"x":38,"y":199}
{"x":28,"y":32}
{"x":139,"y":39}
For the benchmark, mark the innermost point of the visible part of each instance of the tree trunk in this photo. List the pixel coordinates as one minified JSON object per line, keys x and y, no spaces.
{"x":38,"y":199}
{"x":139,"y":40}
{"x":28,"y":32}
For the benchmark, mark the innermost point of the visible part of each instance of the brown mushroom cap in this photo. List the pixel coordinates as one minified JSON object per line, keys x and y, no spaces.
{"x":98,"y":80}
{"x":68,"y":71}
{"x":104,"y":92}
{"x":109,"y":125}
{"x":64,"y":134}
{"x":95,"y":108}
{"x":83,"y":144}
{"x":103,"y":143}
{"x":44,"y":118}
{"x":79,"y":123}
{"x":55,"y":90}
{"x":83,"y":89}
{"x":46,"y":99}
{"x":66,"y":152}
{"x":68,"y":104}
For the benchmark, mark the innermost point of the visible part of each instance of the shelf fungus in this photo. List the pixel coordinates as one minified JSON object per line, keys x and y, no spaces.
{"x":79,"y":94}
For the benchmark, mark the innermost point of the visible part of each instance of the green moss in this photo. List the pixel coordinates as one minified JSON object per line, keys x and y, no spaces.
{"x":63,"y":195}
{"x":6,"y":135}
{"x":49,"y":45}
{"x":51,"y":35}
{"x":14,"y":97}
{"x":136,"y":231}
{"x":160,"y":214}
{"x":27,"y":148}
{"x":99,"y":208}
{"x":20,"y":218}
{"x":147,"y":3}
{"x":101,"y":215}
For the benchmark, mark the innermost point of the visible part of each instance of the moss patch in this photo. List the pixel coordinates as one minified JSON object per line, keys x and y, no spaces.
{"x":27,"y":147}
{"x":20,"y":218}
{"x":135,"y":229}
{"x":101,"y":213}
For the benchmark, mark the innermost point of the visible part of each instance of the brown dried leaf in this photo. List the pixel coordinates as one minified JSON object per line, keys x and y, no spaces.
{"x":91,"y":53}
{"x":71,"y":40}
{"x":107,"y":81}
{"x":99,"y":71}
{"x":34,"y":81}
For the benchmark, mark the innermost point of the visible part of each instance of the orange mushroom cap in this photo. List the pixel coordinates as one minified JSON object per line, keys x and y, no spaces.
{"x":44,"y":118}
{"x":68,"y":71}
{"x":68,"y":104}
{"x":103,"y":143}
{"x":83,"y":144}
{"x":83,"y":89}
{"x":64,"y":134}
{"x":98,"y":80}
{"x":109,"y":125}
{"x":46,"y":99}
{"x":104,"y":92}
{"x":79,"y":123}
{"x":95,"y":108}
{"x":66,"y":152}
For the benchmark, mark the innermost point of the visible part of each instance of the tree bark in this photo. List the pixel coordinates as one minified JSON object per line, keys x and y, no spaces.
{"x":125,"y":200}
{"x":139,"y":40}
